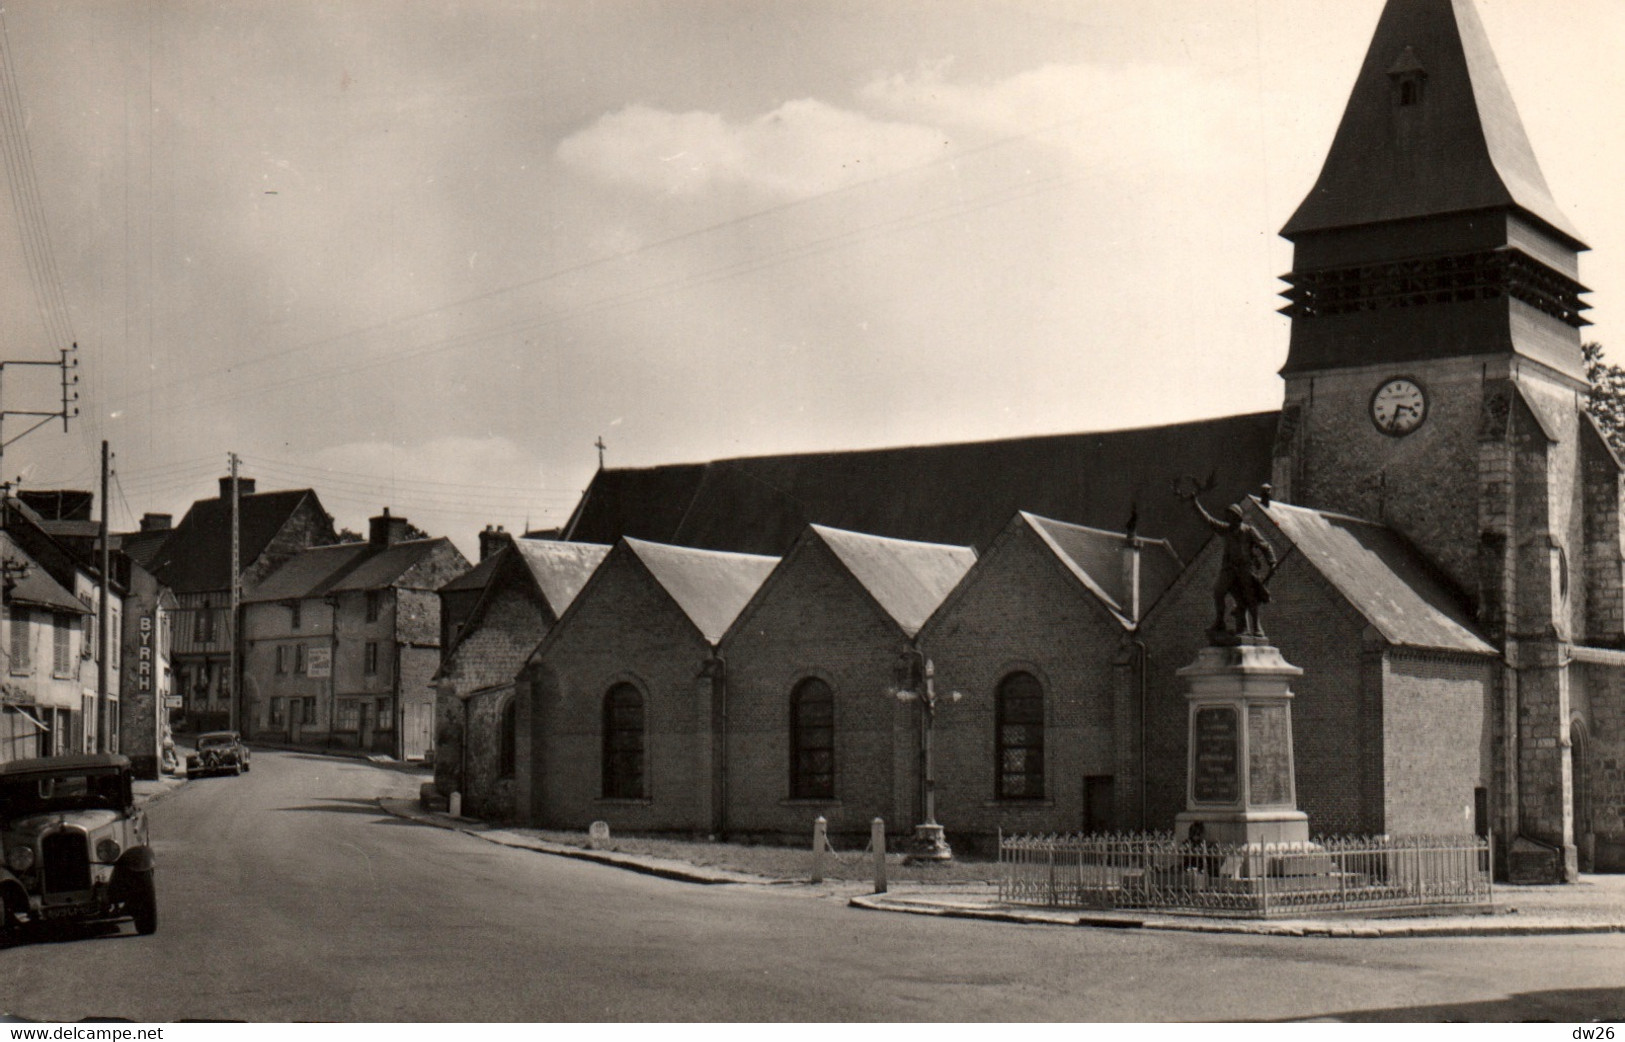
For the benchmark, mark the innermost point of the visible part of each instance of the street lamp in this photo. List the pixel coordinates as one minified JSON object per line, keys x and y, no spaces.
{"x":919,"y":685}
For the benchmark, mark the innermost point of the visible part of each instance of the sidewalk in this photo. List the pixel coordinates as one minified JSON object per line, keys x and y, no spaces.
{"x":1596,"y":904}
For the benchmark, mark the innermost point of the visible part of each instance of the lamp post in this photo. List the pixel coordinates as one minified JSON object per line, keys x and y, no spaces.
{"x":919,"y":685}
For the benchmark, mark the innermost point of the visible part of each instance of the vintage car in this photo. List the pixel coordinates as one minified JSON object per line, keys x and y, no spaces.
{"x":217,"y":753}
{"x":74,"y":843}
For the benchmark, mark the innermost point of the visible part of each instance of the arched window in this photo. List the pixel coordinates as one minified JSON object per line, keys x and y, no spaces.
{"x":507,"y":742}
{"x":812,"y":741}
{"x":1020,"y":728}
{"x":623,"y":743}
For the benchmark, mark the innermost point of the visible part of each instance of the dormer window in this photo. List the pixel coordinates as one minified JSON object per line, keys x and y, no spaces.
{"x":1408,"y":78}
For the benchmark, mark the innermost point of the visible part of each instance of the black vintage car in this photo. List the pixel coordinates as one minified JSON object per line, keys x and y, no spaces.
{"x":73,"y":842}
{"x":218,"y":752}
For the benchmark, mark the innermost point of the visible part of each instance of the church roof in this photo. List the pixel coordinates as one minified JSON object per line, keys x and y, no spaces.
{"x":560,"y":569}
{"x":1096,"y":557}
{"x":1464,"y":149}
{"x":1383,"y":577}
{"x":710,"y":587}
{"x":960,"y":494}
{"x":907,"y":579}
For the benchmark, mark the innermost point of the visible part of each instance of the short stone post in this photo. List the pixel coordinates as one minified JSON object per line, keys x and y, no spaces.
{"x":820,"y":842}
{"x":877,"y":840}
{"x":455,"y":805}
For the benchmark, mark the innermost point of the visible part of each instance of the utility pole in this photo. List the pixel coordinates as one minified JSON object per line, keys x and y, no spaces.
{"x":68,"y":362}
{"x":102,"y":619}
{"x":234,"y":705}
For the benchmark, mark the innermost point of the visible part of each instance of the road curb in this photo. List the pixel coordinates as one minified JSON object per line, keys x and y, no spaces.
{"x":664,"y":868}
{"x":1284,"y":928}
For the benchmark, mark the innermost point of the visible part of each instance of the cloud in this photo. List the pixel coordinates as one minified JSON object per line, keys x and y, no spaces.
{"x":1112,"y":114}
{"x":800,"y":149}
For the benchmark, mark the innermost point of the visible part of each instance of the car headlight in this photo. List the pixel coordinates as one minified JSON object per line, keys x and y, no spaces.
{"x":22,"y":858}
{"x":107,"y":850}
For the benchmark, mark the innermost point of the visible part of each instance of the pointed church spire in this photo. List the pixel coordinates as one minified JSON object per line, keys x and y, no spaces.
{"x":1430,"y":129}
{"x":1430,"y":232}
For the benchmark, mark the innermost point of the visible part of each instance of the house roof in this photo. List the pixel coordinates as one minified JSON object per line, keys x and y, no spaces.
{"x":1095,"y":557}
{"x":343,"y":567}
{"x":961,"y":495}
{"x":142,"y":547}
{"x":475,"y":579}
{"x":196,"y":556}
{"x":907,"y":579}
{"x":35,"y":587}
{"x":1383,"y":577}
{"x":710,"y":586}
{"x":560,"y":569}
{"x":1471,"y":153}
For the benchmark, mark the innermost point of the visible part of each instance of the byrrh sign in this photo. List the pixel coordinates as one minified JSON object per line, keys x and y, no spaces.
{"x":143,"y":658}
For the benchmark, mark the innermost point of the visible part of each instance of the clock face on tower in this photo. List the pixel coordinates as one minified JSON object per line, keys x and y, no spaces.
{"x":1398,"y":406}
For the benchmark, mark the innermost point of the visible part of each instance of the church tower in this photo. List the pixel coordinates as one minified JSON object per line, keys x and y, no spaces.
{"x":1435,"y":380}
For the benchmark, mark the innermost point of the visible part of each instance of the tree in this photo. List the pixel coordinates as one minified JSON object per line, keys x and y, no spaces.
{"x":1606,"y":402}
{"x":347,"y":535}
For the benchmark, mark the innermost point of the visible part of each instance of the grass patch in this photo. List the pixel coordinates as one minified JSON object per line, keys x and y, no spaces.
{"x":780,"y":862}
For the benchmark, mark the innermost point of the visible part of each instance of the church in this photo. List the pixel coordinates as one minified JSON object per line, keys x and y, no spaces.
{"x":1444,"y":513}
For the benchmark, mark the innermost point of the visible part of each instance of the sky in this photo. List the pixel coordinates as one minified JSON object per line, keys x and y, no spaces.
{"x":425,"y":255}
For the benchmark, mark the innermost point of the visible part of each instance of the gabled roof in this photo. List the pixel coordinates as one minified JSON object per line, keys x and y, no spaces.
{"x":1466,"y":151}
{"x":195,"y":558}
{"x":961,"y":495}
{"x":142,"y":547}
{"x":710,"y":586}
{"x":475,"y":579}
{"x":1383,"y":577}
{"x":907,"y":579}
{"x":1096,"y":558}
{"x":343,"y":567}
{"x":35,"y":587}
{"x":560,"y":569}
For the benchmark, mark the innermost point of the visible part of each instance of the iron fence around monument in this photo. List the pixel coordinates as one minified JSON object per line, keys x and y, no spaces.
{"x":1157,"y":872}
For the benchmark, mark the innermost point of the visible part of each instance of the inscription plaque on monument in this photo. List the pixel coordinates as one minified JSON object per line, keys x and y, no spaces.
{"x":1269,"y":770}
{"x":1215,"y":777}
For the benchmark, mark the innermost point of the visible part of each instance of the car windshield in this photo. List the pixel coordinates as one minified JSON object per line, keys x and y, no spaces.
{"x":216,"y":741}
{"x":48,"y":793}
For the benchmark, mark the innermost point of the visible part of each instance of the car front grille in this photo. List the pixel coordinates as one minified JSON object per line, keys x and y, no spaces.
{"x":65,"y":861}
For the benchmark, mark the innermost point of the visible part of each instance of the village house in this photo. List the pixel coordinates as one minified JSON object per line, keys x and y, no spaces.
{"x":340,"y":643}
{"x":194,"y":561}
{"x":525,"y":586}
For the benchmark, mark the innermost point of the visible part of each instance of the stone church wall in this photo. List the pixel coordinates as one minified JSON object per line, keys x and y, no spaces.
{"x":1436,"y":727}
{"x":813,"y":620}
{"x":1019,"y":610}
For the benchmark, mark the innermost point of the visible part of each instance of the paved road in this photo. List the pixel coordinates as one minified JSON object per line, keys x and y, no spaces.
{"x":286,"y":895}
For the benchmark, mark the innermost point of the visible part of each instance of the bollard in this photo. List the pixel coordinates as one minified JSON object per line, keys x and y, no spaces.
{"x":820,"y":842}
{"x":455,"y":805}
{"x":877,"y":840}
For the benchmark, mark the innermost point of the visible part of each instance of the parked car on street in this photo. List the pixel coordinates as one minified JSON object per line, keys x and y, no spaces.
{"x":217,"y":753}
{"x":74,"y":844}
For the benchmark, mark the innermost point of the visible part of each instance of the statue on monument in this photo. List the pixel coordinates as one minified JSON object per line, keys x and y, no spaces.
{"x":1244,"y":573}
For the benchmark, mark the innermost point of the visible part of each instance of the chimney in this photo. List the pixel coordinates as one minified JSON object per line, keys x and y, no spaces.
{"x":386,"y":530}
{"x":158,"y":522}
{"x":245,"y":487}
{"x":492,"y":540}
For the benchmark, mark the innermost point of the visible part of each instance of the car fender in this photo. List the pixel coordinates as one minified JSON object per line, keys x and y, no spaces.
{"x":136,"y":859}
{"x":13,"y":893}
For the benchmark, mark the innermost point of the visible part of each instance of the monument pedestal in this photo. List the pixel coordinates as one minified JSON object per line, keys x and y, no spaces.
{"x":1241,"y":789}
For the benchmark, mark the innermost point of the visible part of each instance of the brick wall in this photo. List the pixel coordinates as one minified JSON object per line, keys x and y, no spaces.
{"x":622,"y":628}
{"x":1336,"y":712}
{"x":1436,"y":740}
{"x":1020,"y":610}
{"x":812,"y":619}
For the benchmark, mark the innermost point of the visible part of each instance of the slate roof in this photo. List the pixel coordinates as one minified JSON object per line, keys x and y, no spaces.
{"x":710,"y":586}
{"x":560,"y":569}
{"x":142,"y":547}
{"x":1384,"y":578}
{"x":322,"y":570}
{"x":962,"y":494}
{"x":1096,"y":558}
{"x":475,"y":579}
{"x":195,"y":558}
{"x":1471,"y":154}
{"x":37,"y":589}
{"x":907,"y":579}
